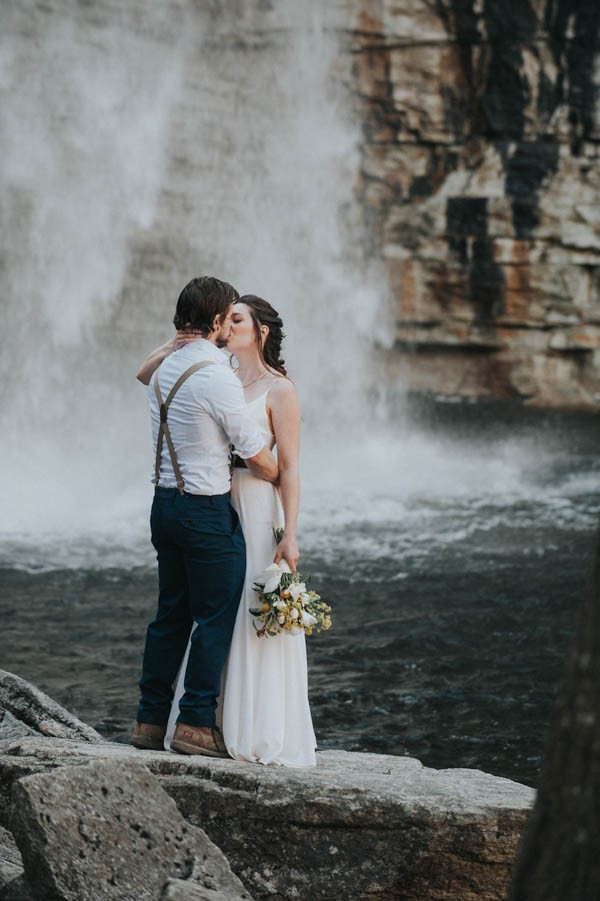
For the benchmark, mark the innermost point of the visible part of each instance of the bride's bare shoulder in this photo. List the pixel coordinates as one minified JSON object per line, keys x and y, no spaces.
{"x":282,"y":386}
{"x":282,"y":393}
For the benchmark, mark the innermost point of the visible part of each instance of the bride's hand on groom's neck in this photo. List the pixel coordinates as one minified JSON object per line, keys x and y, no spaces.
{"x":184,"y":336}
{"x":156,"y":356}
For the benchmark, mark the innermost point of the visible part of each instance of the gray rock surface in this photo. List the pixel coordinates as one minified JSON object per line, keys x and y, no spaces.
{"x":25,"y":710}
{"x":11,"y":865}
{"x":13,"y":885}
{"x":17,"y":890}
{"x":11,"y":727}
{"x":107,"y":830}
{"x":178,"y":890}
{"x":358,"y":826}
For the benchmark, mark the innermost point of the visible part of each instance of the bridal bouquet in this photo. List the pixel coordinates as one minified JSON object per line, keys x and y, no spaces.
{"x":286,"y":605}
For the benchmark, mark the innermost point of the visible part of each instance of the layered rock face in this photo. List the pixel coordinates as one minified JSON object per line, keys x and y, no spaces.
{"x":480,"y":180}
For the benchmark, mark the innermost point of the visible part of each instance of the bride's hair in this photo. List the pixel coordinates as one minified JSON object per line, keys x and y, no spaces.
{"x":263,"y":314}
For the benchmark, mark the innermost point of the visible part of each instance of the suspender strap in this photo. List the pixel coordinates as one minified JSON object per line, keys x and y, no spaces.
{"x":163,"y":428}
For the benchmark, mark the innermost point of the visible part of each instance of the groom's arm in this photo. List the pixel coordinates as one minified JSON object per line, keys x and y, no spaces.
{"x":225,"y":401}
{"x":263,"y":465}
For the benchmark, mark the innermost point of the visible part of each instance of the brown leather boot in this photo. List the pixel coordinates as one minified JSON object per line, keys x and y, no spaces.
{"x":148,"y":736}
{"x":206,"y":740}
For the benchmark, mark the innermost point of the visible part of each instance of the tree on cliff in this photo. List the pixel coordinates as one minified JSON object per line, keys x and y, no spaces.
{"x":559,"y":854}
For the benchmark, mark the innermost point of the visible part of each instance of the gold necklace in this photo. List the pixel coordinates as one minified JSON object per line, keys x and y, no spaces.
{"x":253,"y":382}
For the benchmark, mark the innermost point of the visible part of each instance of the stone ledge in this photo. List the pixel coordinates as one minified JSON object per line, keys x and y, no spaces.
{"x":357,"y":826}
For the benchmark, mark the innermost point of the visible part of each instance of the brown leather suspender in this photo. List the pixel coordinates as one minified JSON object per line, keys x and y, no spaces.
{"x":163,"y":428}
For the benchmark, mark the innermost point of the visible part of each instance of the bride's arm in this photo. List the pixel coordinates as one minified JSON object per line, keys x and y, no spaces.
{"x":285,"y":416}
{"x":155,"y":357}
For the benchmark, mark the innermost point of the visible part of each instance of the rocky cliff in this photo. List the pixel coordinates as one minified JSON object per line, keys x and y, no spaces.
{"x":480,"y":177}
{"x":81,"y":818}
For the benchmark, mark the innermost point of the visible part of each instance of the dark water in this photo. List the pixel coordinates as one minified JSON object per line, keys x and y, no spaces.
{"x":451,"y":618}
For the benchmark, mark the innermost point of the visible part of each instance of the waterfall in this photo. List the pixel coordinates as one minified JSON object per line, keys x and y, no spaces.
{"x":142,"y":146}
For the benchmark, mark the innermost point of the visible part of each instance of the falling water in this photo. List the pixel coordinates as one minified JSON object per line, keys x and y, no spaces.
{"x":144,"y":145}
{"x":210,"y":140}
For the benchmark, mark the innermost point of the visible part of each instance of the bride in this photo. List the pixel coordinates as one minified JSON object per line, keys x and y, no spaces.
{"x":264,"y":710}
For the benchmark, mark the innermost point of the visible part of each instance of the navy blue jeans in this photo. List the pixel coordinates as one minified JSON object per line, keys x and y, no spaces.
{"x":201,"y":568}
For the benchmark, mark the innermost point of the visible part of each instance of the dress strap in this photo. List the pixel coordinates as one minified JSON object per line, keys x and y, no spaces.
{"x":163,"y":428}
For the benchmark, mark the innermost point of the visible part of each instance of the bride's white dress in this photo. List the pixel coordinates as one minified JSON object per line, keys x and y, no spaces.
{"x":263,"y":710}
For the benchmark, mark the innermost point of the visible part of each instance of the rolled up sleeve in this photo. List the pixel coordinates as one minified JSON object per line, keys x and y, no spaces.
{"x":225,"y":402}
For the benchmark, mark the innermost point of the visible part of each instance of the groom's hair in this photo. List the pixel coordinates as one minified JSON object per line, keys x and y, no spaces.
{"x":200,"y":301}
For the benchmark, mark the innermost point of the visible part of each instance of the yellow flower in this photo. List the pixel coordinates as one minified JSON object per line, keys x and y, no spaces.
{"x":266,"y":607}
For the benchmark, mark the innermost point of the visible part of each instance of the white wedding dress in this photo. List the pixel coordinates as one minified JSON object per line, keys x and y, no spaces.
{"x":263,"y":710}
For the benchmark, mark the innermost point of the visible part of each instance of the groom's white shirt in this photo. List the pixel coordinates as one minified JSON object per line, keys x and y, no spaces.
{"x":207,"y":414}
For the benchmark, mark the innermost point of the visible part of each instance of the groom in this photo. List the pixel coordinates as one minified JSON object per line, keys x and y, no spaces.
{"x":197,"y":406}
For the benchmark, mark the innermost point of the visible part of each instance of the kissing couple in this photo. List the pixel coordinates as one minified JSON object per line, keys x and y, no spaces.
{"x":209,"y":685}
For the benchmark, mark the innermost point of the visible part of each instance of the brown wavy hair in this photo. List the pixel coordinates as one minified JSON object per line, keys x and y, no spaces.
{"x":263,"y":313}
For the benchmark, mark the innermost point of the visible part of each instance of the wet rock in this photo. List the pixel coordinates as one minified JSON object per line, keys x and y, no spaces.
{"x":25,"y":710}
{"x":356,"y":826}
{"x":107,"y":830}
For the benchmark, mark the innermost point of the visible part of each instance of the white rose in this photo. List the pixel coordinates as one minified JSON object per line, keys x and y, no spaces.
{"x":270,"y":577}
{"x":294,"y":613}
{"x":308,"y":619}
{"x":296,"y":589}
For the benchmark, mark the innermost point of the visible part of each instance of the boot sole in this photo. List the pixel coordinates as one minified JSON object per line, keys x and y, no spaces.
{"x":146,"y":744}
{"x":185,"y":748}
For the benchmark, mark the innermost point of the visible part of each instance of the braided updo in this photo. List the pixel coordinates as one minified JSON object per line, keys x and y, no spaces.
{"x":263,"y":314}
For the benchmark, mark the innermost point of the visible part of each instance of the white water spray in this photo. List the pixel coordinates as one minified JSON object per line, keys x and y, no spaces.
{"x":208,"y":141}
{"x":140,"y":148}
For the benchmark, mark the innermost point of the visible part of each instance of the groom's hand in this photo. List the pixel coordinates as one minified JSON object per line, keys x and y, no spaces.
{"x":287,"y":550}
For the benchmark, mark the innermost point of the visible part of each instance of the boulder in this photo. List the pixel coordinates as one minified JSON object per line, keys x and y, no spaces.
{"x":357,"y":826}
{"x":25,"y":710}
{"x":107,"y":830}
